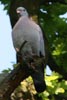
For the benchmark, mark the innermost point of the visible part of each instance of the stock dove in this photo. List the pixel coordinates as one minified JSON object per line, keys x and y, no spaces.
{"x":26,"y":30}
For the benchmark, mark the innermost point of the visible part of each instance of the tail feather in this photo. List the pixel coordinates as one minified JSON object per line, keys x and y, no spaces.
{"x":38,"y":79}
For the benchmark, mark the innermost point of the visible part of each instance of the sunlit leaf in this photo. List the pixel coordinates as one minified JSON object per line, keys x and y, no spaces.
{"x":59,"y":90}
{"x":50,"y":78}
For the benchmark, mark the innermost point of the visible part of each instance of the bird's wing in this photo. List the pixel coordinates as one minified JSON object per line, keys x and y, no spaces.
{"x":42,"y":45}
{"x":26,"y":29}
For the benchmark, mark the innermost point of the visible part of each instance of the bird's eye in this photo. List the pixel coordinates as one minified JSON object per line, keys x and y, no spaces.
{"x":23,"y":9}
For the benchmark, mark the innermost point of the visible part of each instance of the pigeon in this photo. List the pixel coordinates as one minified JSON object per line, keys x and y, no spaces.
{"x":28,"y":36}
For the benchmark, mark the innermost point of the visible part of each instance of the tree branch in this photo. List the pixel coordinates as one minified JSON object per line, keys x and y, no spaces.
{"x":12,"y":80}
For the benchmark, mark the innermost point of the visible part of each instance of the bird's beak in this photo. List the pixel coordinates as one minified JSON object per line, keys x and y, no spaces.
{"x":18,"y":11}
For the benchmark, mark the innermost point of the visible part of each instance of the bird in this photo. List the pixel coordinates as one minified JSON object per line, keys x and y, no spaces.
{"x":28,"y":36}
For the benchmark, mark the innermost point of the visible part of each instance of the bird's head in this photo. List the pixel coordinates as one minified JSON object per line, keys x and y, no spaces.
{"x":21,"y":11}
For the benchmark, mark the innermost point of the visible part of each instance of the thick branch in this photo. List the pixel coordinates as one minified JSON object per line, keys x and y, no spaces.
{"x":8,"y":85}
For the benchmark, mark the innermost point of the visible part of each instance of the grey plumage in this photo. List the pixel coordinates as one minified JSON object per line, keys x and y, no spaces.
{"x":27,"y":30}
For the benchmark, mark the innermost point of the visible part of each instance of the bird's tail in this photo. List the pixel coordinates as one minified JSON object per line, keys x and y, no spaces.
{"x":37,"y":75}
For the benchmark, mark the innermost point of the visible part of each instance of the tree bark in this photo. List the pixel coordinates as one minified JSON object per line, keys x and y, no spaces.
{"x":12,"y":80}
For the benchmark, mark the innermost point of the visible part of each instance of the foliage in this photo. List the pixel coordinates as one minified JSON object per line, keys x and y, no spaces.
{"x":55,"y":28}
{"x":54,"y":87}
{"x":6,"y":4}
{"x":26,"y":89}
